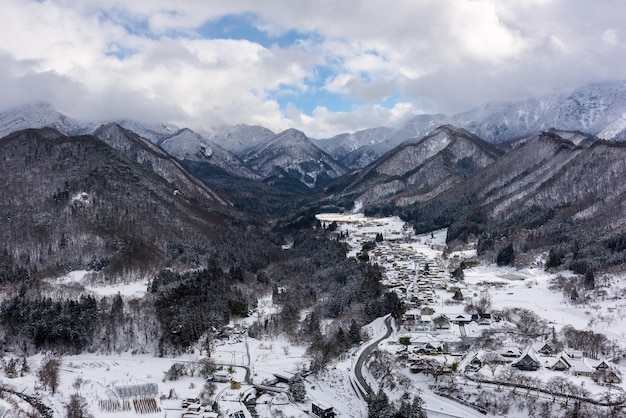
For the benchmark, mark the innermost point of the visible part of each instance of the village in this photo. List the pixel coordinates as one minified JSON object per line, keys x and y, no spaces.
{"x":437,"y":336}
{"x":484,"y":343}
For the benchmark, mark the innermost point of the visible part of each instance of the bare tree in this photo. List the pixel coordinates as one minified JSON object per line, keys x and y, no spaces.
{"x":49,"y":373}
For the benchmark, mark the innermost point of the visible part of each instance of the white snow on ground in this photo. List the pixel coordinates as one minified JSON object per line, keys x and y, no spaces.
{"x":82,"y":280}
{"x":528,"y":288}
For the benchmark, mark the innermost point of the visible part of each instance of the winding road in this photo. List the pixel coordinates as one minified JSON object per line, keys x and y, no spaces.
{"x":362,"y":387}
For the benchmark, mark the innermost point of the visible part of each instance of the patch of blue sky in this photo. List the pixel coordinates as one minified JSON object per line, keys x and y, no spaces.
{"x":138,"y":27}
{"x":243,"y":27}
{"x":313,"y":98}
{"x":119,"y":52}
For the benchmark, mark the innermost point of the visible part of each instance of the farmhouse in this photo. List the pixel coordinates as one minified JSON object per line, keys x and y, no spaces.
{"x":426,"y":343}
{"x":562,"y":363}
{"x":510,"y":351}
{"x":529,"y":361}
{"x":461,"y":319}
{"x":544,"y":348}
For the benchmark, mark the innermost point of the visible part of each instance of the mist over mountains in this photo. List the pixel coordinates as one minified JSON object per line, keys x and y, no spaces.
{"x":529,"y":172}
{"x":596,"y":109}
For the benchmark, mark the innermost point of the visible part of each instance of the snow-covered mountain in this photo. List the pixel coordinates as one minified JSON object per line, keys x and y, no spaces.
{"x":239,"y":139}
{"x":598,"y":109}
{"x":155,"y":132}
{"x":189,"y":145}
{"x":343,"y":145}
{"x":419,"y":169}
{"x":296,"y":154}
{"x":153,"y":157}
{"x":39,"y":115}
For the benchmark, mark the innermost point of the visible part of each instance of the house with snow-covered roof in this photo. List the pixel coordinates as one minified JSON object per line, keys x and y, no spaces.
{"x":581,"y":367}
{"x":529,"y":361}
{"x":461,"y":319}
{"x":427,"y":343}
{"x":509,"y":351}
{"x":560,"y":363}
{"x":544,"y":348}
{"x":573,"y":353}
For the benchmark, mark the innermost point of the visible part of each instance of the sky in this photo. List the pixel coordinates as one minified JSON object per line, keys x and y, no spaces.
{"x":321,"y":66}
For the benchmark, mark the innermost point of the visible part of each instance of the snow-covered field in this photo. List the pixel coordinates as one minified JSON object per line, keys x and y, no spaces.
{"x":95,"y":376}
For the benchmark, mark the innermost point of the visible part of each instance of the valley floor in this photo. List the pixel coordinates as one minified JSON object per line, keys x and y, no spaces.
{"x":96,"y":377}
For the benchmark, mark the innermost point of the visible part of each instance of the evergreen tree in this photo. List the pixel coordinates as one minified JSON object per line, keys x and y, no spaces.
{"x":297,"y":390}
{"x":354,"y":332}
{"x":415,"y":409}
{"x":589,"y":281}
{"x":77,"y":407}
{"x":506,"y":256}
{"x":378,"y":406}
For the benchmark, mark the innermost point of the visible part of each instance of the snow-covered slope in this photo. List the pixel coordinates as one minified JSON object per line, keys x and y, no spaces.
{"x":39,"y":115}
{"x":420,"y":169}
{"x":239,"y":139}
{"x":598,"y":109}
{"x":189,"y":145}
{"x":294,"y":153}
{"x":343,"y":145}
{"x":151,"y":156}
{"x":155,"y":132}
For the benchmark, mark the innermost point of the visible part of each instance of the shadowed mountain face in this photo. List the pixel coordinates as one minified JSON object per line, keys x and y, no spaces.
{"x":157,"y":160}
{"x":75,"y":202}
{"x":597,"y":109}
{"x":418,"y":170}
{"x":546,"y":192}
{"x":292,"y":153}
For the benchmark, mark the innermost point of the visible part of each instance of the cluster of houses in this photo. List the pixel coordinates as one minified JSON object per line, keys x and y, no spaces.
{"x":415,"y":278}
{"x":425,"y":320}
{"x":543,"y":355}
{"x":425,"y":334}
{"x":411,"y":275}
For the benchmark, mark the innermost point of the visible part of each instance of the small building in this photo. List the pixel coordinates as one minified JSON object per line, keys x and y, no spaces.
{"x":221,"y":376}
{"x":426,"y":343}
{"x":603,"y":366}
{"x":612,"y":377}
{"x":235,"y":385}
{"x":474,"y":364}
{"x":510,"y":351}
{"x":562,"y":363}
{"x":461,"y":319}
{"x":322,"y":410}
{"x":581,"y":367}
{"x":573,"y":353}
{"x":544,"y":348}
{"x":419,"y":366}
{"x":529,"y":361}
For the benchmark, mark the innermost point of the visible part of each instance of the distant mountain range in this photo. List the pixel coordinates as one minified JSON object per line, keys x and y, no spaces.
{"x":539,"y":174}
{"x":598,"y":109}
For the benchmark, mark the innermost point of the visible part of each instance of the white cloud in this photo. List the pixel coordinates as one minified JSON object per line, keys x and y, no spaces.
{"x":145,"y":58}
{"x":609,"y":37}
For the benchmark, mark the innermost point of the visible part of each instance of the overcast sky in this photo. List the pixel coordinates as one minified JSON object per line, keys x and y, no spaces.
{"x":322,"y":66}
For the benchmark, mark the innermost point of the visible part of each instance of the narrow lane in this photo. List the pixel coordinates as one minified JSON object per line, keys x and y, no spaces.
{"x":365,"y":390}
